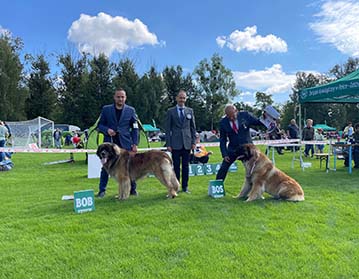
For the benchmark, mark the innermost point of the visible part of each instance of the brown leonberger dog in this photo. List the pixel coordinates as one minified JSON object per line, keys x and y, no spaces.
{"x":126,"y":167}
{"x":262,"y":176}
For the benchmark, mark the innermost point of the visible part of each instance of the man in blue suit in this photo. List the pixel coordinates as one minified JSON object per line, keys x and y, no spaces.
{"x":234,"y":129}
{"x":118,"y":123}
{"x":181,"y":137}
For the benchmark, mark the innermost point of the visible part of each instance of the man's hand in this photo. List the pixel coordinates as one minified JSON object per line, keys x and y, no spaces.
{"x":134,"y":148}
{"x":169,"y":148}
{"x":193,"y":146}
{"x":111,"y":132}
{"x":227,"y":159}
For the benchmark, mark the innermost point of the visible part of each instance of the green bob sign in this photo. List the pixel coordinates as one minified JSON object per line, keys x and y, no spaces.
{"x":84,"y":201}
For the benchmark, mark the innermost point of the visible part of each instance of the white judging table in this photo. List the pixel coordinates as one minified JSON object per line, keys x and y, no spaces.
{"x":295,"y":152}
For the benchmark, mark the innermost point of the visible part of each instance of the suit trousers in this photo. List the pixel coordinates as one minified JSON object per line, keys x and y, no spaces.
{"x":177,"y":155}
{"x":222,"y":172}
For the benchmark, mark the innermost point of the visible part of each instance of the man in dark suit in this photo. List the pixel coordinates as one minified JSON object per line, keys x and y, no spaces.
{"x":180,"y":136}
{"x":118,"y":123}
{"x":234,"y":129}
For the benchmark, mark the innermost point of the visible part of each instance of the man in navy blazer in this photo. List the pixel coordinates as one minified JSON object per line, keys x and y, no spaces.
{"x":234,"y":129}
{"x":180,"y":136}
{"x":118,"y":123}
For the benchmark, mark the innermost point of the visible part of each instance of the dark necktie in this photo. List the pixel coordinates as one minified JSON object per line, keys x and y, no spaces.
{"x":181,"y":115}
{"x":234,"y":127}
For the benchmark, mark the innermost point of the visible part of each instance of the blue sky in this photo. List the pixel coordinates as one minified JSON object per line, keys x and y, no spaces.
{"x":263,"y":42}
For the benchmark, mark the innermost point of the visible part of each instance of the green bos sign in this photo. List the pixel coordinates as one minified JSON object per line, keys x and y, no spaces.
{"x":216,"y":189}
{"x":84,"y":201}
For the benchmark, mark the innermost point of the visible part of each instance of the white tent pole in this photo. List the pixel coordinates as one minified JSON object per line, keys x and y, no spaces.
{"x":300,"y":121}
{"x":52,"y":133}
{"x":39,"y":129}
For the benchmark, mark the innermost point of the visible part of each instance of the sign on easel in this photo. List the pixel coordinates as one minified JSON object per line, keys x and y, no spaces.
{"x":84,"y":201}
{"x":216,"y":189}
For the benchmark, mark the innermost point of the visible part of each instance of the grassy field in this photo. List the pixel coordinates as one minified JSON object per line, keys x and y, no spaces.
{"x":192,"y":236}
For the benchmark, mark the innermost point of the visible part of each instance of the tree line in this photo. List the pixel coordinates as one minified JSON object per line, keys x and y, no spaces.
{"x":85,"y":83}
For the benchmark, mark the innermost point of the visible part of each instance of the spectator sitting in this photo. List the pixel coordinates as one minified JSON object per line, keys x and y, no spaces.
{"x":77,"y":142}
{"x":200,"y":154}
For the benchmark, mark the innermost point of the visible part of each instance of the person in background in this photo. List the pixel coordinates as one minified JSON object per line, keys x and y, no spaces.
{"x":293,"y":133}
{"x":57,"y":137}
{"x":9,"y":140}
{"x":181,"y":137}
{"x":3,"y":134}
{"x":355,"y":140}
{"x":276,"y":134}
{"x":348,"y":131}
{"x":320,"y":137}
{"x":76,"y":141}
{"x":118,"y":123}
{"x":8,"y":130}
{"x":200,"y":153}
{"x":308,"y":134}
{"x":68,"y":139}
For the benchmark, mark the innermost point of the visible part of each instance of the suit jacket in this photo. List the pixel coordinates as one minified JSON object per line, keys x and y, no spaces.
{"x":245,"y":121}
{"x":180,"y":135}
{"x":308,"y":133}
{"x":126,"y":128}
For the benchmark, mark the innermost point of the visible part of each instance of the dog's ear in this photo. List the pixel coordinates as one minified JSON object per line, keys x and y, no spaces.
{"x":248,"y":149}
{"x":98,"y":152}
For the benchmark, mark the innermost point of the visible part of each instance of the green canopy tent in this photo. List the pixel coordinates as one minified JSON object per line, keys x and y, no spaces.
{"x":324,"y":127}
{"x":149,"y":128}
{"x":343,"y":90}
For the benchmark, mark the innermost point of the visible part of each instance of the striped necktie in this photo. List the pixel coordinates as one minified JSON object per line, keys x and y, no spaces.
{"x":181,"y":115}
{"x":234,"y":126}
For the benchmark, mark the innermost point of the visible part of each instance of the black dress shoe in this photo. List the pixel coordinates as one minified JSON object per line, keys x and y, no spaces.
{"x":101,"y":194}
{"x":133,"y":193}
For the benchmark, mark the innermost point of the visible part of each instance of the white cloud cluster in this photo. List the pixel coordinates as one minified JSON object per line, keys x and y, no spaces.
{"x":106,"y":34}
{"x":250,"y":41}
{"x":338,"y":24}
{"x":270,"y":80}
{"x":4,"y":31}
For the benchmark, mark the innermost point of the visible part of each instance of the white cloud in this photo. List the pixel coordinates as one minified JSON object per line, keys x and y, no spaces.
{"x":270,"y":80}
{"x":247,"y":93}
{"x":4,"y":31}
{"x":106,"y":34}
{"x":250,"y":41}
{"x":338,"y":24}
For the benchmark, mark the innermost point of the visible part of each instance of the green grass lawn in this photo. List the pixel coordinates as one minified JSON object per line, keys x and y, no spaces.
{"x":192,"y":236}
